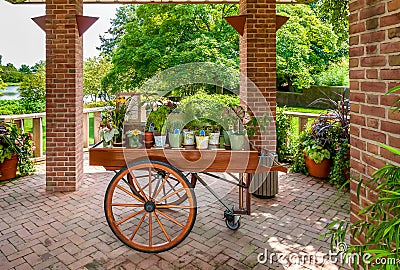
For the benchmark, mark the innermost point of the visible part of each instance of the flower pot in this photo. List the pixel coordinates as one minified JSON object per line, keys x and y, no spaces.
{"x":226,"y":136}
{"x":202,"y":142}
{"x":213,"y":146}
{"x":237,"y":141}
{"x":148,"y":145}
{"x":160,"y":140}
{"x":227,"y":146}
{"x":148,"y":136}
{"x":134,"y":142}
{"x":8,"y":169}
{"x":214,"y":138}
{"x":175,"y":140}
{"x":188,"y":137}
{"x":320,"y":170}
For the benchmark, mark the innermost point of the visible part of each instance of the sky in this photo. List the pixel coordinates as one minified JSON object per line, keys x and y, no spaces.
{"x":23,"y":42}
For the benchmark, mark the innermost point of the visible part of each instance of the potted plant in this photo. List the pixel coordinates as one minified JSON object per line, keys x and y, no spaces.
{"x":158,"y":117}
{"x":16,"y":149}
{"x":214,"y":133}
{"x":317,"y":142}
{"x":202,"y":139}
{"x":247,"y":126}
{"x":112,"y":122}
{"x":134,"y":138}
{"x":149,"y":135}
{"x":174,"y":135}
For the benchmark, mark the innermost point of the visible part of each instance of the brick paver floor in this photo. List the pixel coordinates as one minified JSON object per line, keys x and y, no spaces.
{"x":42,"y":230}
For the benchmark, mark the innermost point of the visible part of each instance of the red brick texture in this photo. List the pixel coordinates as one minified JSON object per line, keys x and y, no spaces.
{"x":375,"y":68}
{"x":64,"y":95}
{"x":258,"y":63}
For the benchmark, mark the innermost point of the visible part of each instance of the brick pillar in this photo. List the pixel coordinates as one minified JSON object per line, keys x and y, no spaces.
{"x":64,"y":95}
{"x":374,"y":69}
{"x":258,"y":63}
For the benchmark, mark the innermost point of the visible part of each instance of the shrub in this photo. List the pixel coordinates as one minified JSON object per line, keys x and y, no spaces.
{"x":335,"y":75}
{"x":284,"y":135}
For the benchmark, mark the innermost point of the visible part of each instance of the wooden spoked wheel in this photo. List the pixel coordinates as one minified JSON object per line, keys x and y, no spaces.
{"x":150,"y":206}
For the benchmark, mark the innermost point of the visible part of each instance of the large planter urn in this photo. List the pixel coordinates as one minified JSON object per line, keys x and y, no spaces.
{"x":8,"y":169}
{"x":320,"y":170}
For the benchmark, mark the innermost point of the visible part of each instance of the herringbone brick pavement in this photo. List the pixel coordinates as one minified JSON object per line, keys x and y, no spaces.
{"x":42,"y":230}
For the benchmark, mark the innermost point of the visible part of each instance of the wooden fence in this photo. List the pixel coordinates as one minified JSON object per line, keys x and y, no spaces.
{"x":38,"y":126}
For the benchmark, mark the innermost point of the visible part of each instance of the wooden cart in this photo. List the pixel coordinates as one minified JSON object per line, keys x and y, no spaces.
{"x":150,"y":204}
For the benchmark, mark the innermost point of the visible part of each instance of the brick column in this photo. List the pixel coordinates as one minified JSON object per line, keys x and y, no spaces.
{"x":374,"y":69}
{"x":64,"y":95}
{"x":258,"y":62}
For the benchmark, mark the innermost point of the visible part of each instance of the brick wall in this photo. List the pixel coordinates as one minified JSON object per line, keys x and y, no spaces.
{"x":258,"y":62}
{"x":374,"y":69}
{"x":64,"y":95}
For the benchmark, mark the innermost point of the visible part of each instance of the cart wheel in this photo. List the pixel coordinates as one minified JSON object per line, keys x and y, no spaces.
{"x":141,"y":206}
{"x":231,"y":225}
{"x":232,"y":221}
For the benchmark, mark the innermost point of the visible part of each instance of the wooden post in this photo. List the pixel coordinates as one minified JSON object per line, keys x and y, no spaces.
{"x":38,"y":136}
{"x":96,"y":127}
{"x":302,"y":123}
{"x":20,"y":124}
{"x":85,"y":130}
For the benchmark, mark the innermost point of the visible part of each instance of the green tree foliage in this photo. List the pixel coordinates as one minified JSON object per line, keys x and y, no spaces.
{"x":305,"y":46}
{"x":33,"y":90}
{"x":10,"y":74}
{"x":110,"y":41}
{"x":25,"y":69}
{"x":164,"y":36}
{"x":2,"y":84}
{"x":336,"y":12}
{"x":94,"y":70}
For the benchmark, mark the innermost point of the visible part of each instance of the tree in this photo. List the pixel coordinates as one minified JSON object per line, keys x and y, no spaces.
{"x":25,"y":69}
{"x":94,"y":70}
{"x":164,"y":36}
{"x":305,"y":46}
{"x":2,"y":84}
{"x":33,"y":87}
{"x":110,"y":41}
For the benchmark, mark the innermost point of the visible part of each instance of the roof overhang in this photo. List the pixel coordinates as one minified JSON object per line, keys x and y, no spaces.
{"x":158,"y":1}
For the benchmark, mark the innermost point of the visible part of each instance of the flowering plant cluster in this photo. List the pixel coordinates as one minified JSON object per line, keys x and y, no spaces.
{"x":14,"y":142}
{"x":112,"y":120}
{"x":132,"y":133}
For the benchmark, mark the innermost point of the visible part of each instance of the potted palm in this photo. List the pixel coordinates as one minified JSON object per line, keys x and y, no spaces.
{"x":16,"y":149}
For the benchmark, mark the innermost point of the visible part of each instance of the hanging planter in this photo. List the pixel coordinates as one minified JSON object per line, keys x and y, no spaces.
{"x":8,"y":169}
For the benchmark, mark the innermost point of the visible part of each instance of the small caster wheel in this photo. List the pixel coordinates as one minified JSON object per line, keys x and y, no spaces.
{"x":232,"y":221}
{"x":231,"y":225}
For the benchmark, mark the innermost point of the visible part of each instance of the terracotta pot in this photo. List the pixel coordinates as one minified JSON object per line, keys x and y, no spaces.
{"x":8,"y":169}
{"x":148,"y":136}
{"x":320,"y":170}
